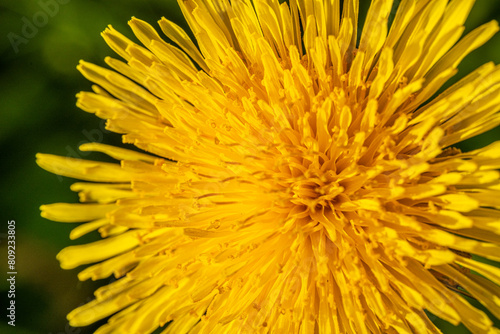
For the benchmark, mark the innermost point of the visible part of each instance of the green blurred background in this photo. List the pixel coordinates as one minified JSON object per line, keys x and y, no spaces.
{"x":38,"y":114}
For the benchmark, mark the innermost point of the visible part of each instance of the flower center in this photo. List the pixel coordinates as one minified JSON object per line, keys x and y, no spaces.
{"x":315,"y":189}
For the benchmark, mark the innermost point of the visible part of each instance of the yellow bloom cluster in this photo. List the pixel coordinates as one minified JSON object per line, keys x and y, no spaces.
{"x":298,"y":180}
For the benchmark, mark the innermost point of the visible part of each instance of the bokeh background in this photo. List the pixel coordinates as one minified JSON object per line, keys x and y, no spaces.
{"x":38,"y":83}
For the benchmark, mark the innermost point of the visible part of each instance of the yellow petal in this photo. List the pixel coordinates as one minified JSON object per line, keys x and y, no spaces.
{"x":75,"y":213}
{"x":74,"y":256}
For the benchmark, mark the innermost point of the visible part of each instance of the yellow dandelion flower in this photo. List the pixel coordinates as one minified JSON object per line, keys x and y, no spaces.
{"x":300,"y":180}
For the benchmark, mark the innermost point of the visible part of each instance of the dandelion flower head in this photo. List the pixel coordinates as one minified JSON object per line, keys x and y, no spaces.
{"x":296,"y":178}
